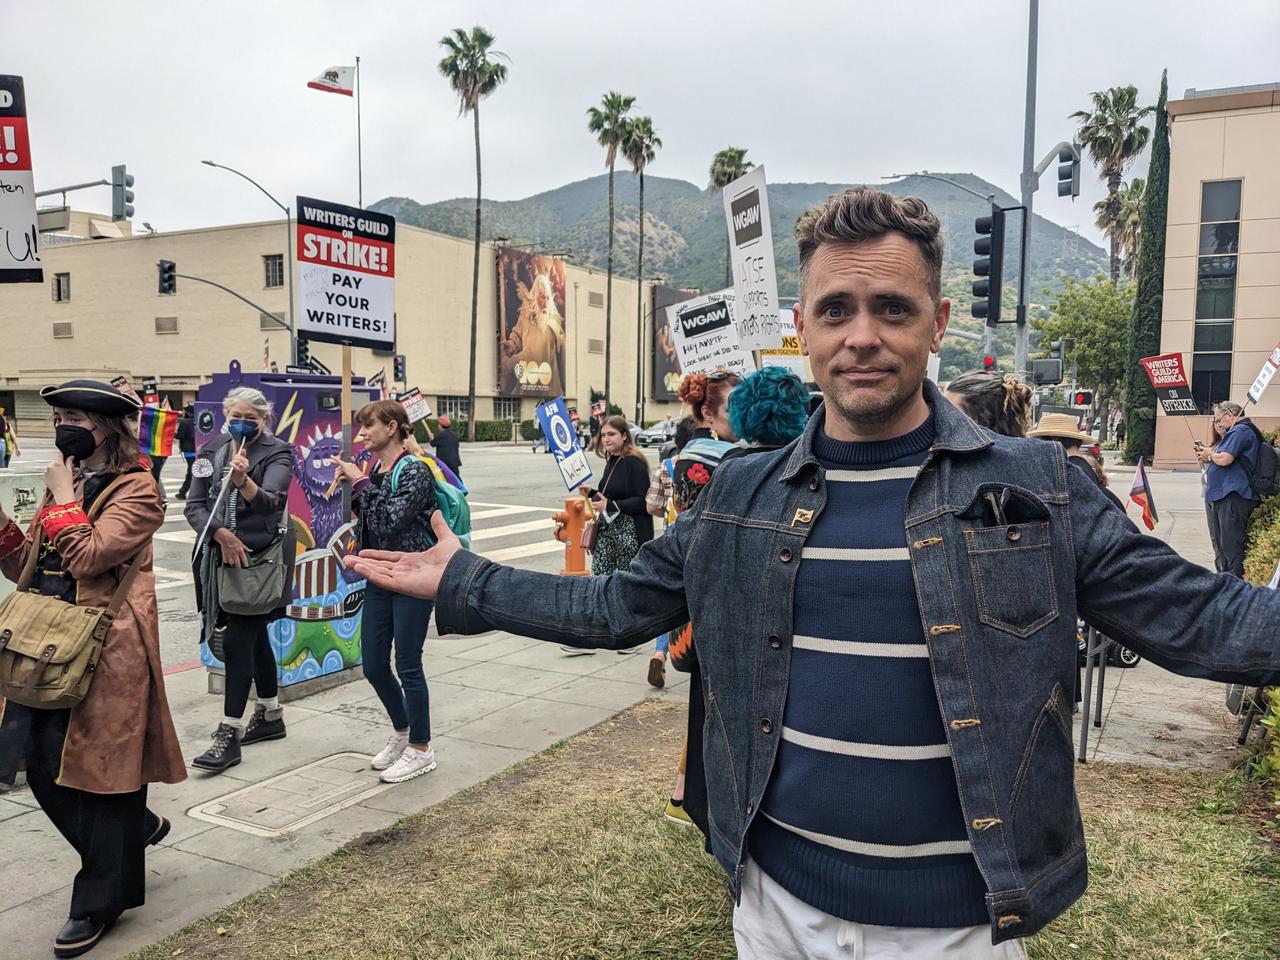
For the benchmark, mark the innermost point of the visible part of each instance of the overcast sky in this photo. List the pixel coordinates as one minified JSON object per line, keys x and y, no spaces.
{"x":817,"y":90}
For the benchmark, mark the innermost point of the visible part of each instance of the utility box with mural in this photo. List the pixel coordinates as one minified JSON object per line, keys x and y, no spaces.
{"x":317,"y":644}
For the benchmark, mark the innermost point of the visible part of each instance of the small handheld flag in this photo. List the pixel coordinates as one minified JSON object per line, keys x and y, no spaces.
{"x":156,"y":428}
{"x":336,"y":80}
{"x":1140,"y":493}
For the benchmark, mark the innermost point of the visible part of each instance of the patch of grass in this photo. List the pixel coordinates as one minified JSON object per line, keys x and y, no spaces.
{"x":566,"y":855}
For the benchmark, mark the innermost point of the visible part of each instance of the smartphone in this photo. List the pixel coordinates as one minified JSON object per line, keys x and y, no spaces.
{"x":592,"y":492}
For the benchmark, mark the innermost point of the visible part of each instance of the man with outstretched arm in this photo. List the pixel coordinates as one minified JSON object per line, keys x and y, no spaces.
{"x":885,"y":615}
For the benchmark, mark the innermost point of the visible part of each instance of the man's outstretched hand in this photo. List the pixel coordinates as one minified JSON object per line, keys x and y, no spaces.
{"x":413,"y":574}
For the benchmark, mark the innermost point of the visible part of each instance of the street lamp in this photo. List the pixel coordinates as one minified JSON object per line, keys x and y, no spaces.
{"x":288,"y":226}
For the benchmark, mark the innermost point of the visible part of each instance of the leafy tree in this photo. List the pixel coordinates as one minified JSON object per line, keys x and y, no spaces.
{"x":1127,"y":225}
{"x":1095,"y":314}
{"x":474,"y":72}
{"x":1113,"y":134}
{"x":1144,"y":327}
{"x":609,"y":123}
{"x":727,"y":166}
{"x":640,"y":145}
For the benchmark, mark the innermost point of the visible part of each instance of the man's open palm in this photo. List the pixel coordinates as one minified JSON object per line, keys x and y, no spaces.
{"x":413,"y":574}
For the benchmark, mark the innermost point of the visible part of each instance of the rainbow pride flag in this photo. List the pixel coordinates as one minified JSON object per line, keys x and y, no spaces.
{"x":156,"y":428}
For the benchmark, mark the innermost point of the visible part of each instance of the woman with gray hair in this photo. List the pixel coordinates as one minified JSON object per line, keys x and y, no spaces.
{"x":237,"y":503}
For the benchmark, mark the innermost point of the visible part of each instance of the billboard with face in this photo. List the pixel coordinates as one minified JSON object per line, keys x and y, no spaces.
{"x":531,"y":324}
{"x":666,"y":362}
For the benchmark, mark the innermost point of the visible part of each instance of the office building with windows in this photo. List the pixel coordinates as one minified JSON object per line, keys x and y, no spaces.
{"x":1222,"y":254}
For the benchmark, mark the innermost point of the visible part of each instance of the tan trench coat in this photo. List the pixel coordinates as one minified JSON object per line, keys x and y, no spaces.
{"x":121,"y":736}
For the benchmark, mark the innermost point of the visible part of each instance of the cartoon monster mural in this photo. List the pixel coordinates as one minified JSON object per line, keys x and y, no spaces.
{"x":314,"y":471}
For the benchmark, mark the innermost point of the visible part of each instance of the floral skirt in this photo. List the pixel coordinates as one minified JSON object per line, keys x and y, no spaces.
{"x":616,"y":546}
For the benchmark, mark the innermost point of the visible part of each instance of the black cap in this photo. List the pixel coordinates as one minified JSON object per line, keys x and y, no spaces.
{"x":91,"y":396}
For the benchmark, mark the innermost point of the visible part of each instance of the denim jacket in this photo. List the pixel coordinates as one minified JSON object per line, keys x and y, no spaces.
{"x":998,"y":598}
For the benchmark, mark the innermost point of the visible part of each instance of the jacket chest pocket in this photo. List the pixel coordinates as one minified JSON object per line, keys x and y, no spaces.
{"x":1012,"y":573}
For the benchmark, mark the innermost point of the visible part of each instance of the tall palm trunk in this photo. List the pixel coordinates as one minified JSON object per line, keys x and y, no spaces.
{"x":728,"y":263}
{"x":640,"y":313}
{"x":608,"y":302}
{"x":1113,"y":215}
{"x":475,"y":290}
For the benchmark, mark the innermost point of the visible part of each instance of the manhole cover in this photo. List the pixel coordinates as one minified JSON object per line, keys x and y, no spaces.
{"x":295,"y":799}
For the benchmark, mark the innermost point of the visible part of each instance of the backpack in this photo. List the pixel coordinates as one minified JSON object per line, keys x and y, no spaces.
{"x":451,"y":501}
{"x":1263,"y":475}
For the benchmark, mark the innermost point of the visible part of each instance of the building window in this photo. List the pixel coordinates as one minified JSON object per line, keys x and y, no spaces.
{"x":456,"y":408}
{"x":166,"y":324}
{"x":594,"y":345}
{"x":595,"y":298}
{"x":61,"y":287}
{"x":274,"y":264}
{"x":63,"y":330}
{"x":1216,"y":270}
{"x":506,"y":408}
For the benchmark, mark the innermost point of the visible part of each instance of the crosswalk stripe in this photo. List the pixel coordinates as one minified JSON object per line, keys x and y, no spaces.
{"x":516,"y":508}
{"x":505,"y":512}
{"x":186,"y":535}
{"x":528,"y":550}
{"x":512,"y":529}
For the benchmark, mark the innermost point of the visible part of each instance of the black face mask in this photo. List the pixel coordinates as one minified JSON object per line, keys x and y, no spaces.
{"x":75,"y":442}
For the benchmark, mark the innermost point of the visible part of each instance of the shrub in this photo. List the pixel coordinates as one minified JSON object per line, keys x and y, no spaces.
{"x":1260,"y":559}
{"x":528,"y":430}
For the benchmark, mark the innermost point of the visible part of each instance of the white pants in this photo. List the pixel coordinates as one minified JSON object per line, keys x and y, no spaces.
{"x":771,"y":924}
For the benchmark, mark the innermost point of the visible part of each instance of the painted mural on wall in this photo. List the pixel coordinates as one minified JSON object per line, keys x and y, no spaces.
{"x":320,"y":633}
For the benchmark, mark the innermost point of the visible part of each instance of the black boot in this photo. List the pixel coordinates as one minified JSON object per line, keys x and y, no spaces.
{"x":264,"y":725}
{"x":78,"y":935}
{"x":223,"y":753}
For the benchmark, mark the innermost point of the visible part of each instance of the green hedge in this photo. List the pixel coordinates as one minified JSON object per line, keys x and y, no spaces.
{"x":528,"y":430}
{"x":1260,"y":559}
{"x":486,"y":430}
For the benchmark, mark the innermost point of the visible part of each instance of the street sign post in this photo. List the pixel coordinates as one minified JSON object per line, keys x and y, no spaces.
{"x":563,"y":441}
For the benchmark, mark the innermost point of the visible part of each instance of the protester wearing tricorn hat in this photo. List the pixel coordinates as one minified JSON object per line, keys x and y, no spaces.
{"x":886,"y":629}
{"x":89,"y":766}
{"x":1062,"y":428}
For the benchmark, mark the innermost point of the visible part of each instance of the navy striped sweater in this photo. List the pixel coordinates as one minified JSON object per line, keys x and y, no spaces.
{"x":862,"y":818}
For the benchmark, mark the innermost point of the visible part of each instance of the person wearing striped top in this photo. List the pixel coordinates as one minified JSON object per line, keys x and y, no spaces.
{"x":861,"y":818}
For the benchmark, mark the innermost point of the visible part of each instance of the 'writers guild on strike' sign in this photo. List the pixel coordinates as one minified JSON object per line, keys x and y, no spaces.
{"x":755,"y":278}
{"x":346,"y":274}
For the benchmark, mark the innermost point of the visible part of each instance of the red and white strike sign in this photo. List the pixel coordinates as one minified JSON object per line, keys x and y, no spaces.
{"x":1169,"y":378}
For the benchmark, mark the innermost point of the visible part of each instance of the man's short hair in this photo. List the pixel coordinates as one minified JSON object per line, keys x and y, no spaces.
{"x":864,"y":213}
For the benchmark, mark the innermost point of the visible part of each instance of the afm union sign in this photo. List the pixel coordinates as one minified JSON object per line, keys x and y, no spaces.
{"x":746,"y":217}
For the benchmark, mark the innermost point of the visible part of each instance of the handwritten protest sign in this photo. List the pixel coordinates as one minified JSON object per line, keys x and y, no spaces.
{"x":1269,"y":367}
{"x":755,"y":277}
{"x":19,"y":235}
{"x":788,"y":354}
{"x":706,"y":337}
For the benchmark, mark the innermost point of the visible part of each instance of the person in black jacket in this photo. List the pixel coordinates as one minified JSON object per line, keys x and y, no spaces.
{"x":186,"y":435}
{"x":446,"y":443}
{"x":394,"y":504}
{"x":259,"y":468}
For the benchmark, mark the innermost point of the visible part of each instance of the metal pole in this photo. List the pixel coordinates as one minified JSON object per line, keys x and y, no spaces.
{"x":1029,"y":180}
{"x":293,"y":326}
{"x":359,"y":148}
{"x":1086,"y":693}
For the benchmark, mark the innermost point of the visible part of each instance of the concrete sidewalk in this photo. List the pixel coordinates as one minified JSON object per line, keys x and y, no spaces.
{"x":495,"y":699}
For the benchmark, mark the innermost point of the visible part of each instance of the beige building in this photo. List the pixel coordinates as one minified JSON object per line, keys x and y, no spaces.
{"x":1222,"y":256}
{"x":99,"y":314}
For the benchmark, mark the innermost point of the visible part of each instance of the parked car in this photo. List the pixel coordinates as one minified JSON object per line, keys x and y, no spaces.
{"x":656,"y":435}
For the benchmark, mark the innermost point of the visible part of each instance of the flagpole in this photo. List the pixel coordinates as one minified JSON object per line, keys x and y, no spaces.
{"x":359,"y":149}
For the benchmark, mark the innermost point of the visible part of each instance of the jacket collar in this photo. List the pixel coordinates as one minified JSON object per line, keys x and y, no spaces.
{"x":954,"y":432}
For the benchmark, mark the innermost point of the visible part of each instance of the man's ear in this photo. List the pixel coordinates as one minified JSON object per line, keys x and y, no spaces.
{"x":797,"y":317}
{"x":941,"y":318}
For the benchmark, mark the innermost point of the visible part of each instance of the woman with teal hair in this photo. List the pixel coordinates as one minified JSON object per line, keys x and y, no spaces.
{"x":768,"y":410}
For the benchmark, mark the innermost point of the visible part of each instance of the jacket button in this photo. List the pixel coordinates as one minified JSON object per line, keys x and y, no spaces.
{"x":815,"y":483}
{"x":766,"y":725}
{"x":785,"y":555}
{"x":1013,"y":533}
{"x":775,"y":641}
{"x":749,"y":809}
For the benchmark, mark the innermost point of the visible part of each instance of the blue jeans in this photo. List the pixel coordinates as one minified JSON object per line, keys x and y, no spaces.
{"x":662,"y":643}
{"x":389,"y":616}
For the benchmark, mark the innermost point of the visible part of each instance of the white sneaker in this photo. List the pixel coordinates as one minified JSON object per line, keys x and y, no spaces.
{"x":577,"y":651}
{"x":397,"y":743}
{"x":412,"y":763}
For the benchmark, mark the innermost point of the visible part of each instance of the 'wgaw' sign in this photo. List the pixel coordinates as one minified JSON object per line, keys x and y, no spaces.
{"x":755,"y":279}
{"x":346,"y":274}
{"x":705,"y":335}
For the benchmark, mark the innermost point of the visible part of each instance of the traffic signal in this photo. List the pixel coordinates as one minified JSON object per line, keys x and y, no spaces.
{"x":1069,"y":171}
{"x":397,"y":369}
{"x":1045,"y":372}
{"x":989,"y":266}
{"x":168,"y":276}
{"x":1082,"y":398}
{"x":304,"y":352}
{"x":988,"y":363}
{"x":121,"y":195}
{"x":1056,"y":350}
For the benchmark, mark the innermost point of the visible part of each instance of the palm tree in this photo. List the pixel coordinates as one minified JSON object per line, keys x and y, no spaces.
{"x":1113,"y":135}
{"x":1127,"y":224}
{"x":640,"y":145}
{"x":474,"y":72}
{"x":727,"y":166}
{"x":608,"y":122}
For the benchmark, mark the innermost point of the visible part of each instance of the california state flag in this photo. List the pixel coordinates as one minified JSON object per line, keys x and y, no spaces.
{"x":336,"y":80}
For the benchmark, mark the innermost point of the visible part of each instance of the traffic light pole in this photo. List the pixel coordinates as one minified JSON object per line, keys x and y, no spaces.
{"x":1029,"y":182}
{"x":261,"y":309}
